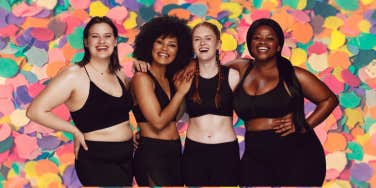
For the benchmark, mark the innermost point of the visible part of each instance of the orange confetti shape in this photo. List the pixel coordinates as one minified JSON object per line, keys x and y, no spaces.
{"x":46,"y":166}
{"x":302,"y":32}
{"x":35,"y":22}
{"x":335,"y":142}
{"x":340,"y":59}
{"x":54,"y":68}
{"x":351,"y":28}
{"x":68,"y":51}
{"x":180,"y":13}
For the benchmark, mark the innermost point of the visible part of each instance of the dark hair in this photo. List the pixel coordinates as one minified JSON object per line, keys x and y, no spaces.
{"x":286,"y":71}
{"x":196,"y":95}
{"x":114,"y":64}
{"x":165,"y":26}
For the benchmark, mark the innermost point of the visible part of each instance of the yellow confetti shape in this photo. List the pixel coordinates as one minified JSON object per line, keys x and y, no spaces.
{"x":298,"y":56}
{"x":362,"y":139}
{"x":98,"y":9}
{"x":337,"y":40}
{"x":318,"y":62}
{"x":337,"y":184}
{"x":333,"y":22}
{"x":337,"y":72}
{"x":11,"y":174}
{"x":336,"y":160}
{"x":366,"y":2}
{"x":130,"y":22}
{"x":47,"y":179}
{"x":354,"y":116}
{"x":4,"y":120}
{"x":216,"y":23}
{"x":228,"y":42}
{"x":18,"y":118}
{"x":364,"y":26}
{"x":48,"y":4}
{"x":302,"y":4}
{"x":234,"y":8}
{"x":30,"y":169}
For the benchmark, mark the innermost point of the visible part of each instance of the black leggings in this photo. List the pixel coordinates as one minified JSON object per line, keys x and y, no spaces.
{"x":211,"y":164}
{"x":105,"y":164}
{"x":158,"y":162}
{"x":272,"y":160}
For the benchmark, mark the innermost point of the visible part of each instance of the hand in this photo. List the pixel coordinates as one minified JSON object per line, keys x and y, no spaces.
{"x":183,"y":86}
{"x":284,"y":126}
{"x":186,"y":72}
{"x":140,"y":66}
{"x":136,"y":139}
{"x":79,"y":140}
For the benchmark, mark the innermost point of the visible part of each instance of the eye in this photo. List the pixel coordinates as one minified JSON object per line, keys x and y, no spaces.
{"x":108,"y":36}
{"x":94,"y":36}
{"x":172,"y":45}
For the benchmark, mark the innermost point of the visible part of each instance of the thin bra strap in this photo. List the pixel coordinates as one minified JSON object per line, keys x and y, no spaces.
{"x":87,"y":72}
{"x":120,"y":82}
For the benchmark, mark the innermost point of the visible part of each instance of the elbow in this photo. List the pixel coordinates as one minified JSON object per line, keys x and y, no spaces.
{"x":334,"y":101}
{"x":30,"y":112}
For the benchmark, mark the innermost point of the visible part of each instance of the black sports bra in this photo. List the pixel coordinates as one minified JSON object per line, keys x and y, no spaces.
{"x":102,"y":110}
{"x":161,"y":96}
{"x":272,"y":104}
{"x":207,"y":90}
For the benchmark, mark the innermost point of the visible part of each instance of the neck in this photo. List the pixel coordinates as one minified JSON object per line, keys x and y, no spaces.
{"x":265,"y":65}
{"x":101,"y":66}
{"x":207,"y":66}
{"x":158,"y":70}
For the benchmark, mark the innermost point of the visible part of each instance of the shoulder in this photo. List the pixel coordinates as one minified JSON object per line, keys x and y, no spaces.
{"x":72,"y":73}
{"x":141,"y":77}
{"x":301,"y":72}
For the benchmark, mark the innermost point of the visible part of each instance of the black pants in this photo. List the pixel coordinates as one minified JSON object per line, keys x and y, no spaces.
{"x":211,"y":164}
{"x":105,"y":164}
{"x":272,"y":160}
{"x":158,"y":162}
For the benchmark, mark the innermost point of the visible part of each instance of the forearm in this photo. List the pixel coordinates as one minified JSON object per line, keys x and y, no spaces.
{"x":50,"y":120}
{"x":169,"y":112}
{"x":322,"y":111}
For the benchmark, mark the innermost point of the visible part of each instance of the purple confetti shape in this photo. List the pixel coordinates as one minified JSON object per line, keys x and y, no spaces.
{"x":43,"y":14}
{"x":48,"y":143}
{"x":373,"y":29}
{"x":361,"y":172}
{"x":23,"y":95}
{"x":12,"y":19}
{"x":41,"y":45}
{"x":25,"y":38}
{"x":132,"y":5}
{"x":239,"y":130}
{"x":3,"y":43}
{"x":3,"y":15}
{"x":223,"y":14}
{"x":1,"y":115}
{"x":241,"y":148}
{"x":70,"y":178}
{"x":309,"y":107}
{"x":62,"y":42}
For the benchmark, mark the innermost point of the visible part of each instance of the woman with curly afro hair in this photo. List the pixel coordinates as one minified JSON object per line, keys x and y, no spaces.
{"x":165,"y":43}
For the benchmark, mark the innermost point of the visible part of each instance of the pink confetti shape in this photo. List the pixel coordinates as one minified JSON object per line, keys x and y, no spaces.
{"x":55,"y":55}
{"x":333,"y":84}
{"x":25,"y":10}
{"x":5,"y":132}
{"x":6,"y":106}
{"x":8,"y":31}
{"x":42,"y":34}
{"x":228,"y":56}
{"x":4,"y":156}
{"x":257,"y":14}
{"x":350,"y":79}
{"x":331,"y":174}
{"x":66,"y":148}
{"x":62,"y":112}
{"x":118,"y":14}
{"x":317,"y":48}
{"x":80,"y":4}
{"x":72,"y":22}
{"x":301,"y":16}
{"x":35,"y":89}
{"x":16,"y":81}
{"x":26,"y":146}
{"x":6,"y":91}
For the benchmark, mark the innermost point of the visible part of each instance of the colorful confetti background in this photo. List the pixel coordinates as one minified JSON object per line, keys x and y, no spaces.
{"x":333,"y":39}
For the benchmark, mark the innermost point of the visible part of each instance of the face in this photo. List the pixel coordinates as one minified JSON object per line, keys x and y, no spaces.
{"x":164,"y":50}
{"x":101,"y":41}
{"x":205,"y":43}
{"x":264,"y":44}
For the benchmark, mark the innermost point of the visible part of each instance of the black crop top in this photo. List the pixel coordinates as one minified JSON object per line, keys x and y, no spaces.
{"x":207,"y":90}
{"x":102,"y":110}
{"x":161,"y":96}
{"x":272,"y":104}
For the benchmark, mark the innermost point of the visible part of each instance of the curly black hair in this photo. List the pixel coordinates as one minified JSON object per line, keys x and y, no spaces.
{"x":165,"y":26}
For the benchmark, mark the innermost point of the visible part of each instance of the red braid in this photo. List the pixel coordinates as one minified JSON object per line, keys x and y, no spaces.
{"x":196,"y":95}
{"x":220,"y":78}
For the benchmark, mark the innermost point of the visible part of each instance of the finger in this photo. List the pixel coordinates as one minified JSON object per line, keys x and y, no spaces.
{"x":76,"y":152}
{"x":83,"y":143}
{"x":287,"y":133}
{"x":144,"y":68}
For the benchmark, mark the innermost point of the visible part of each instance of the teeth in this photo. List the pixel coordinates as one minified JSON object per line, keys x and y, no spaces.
{"x":163,"y":54}
{"x":262,"y":48}
{"x":203,"y":49}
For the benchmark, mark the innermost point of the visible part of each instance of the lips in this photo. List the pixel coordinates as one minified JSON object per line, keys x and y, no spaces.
{"x":101,"y":48}
{"x":204,"y":49}
{"x":262,"y":49}
{"x":162,"y":54}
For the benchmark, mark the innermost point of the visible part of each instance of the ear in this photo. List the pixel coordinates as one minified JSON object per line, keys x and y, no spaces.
{"x":116,"y":42}
{"x":219,"y":44}
{"x":279,"y":48}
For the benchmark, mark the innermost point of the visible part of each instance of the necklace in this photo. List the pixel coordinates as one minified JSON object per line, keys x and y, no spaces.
{"x":101,"y":73}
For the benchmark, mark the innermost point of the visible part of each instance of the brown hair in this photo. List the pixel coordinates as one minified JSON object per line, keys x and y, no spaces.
{"x":196,"y":96}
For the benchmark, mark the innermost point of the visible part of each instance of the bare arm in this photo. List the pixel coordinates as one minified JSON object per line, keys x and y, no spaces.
{"x":58,"y":91}
{"x":239,"y":64}
{"x":317,"y":92}
{"x":142,"y":87}
{"x":233,"y":78}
